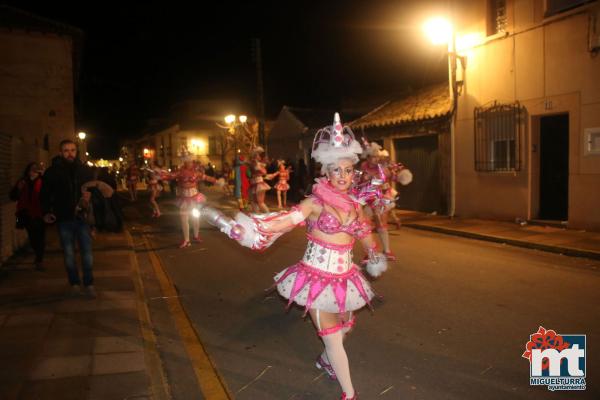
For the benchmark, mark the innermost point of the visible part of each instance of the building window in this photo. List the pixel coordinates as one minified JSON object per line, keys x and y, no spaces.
{"x":498,"y":131}
{"x":496,"y":17}
{"x":46,"y":143}
{"x":557,"y":6}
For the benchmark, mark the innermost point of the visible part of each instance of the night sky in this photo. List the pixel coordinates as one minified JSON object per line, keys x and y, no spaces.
{"x":138,"y":60}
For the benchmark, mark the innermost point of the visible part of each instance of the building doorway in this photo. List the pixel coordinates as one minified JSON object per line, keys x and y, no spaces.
{"x":554,"y":167}
{"x":421,"y":155}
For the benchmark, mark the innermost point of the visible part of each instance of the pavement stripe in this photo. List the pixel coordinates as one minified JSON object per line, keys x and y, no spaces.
{"x":158,"y":381}
{"x":210,"y":382}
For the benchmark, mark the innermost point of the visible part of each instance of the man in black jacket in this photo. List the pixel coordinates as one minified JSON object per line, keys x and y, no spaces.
{"x":61,"y":197}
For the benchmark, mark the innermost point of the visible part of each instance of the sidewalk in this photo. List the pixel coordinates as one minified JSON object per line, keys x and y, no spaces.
{"x":53,"y":346}
{"x":546,"y":238}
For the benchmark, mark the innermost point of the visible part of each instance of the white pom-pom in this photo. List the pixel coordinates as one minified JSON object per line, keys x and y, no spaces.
{"x":220,"y":182}
{"x":249,"y":226}
{"x":378,"y":267}
{"x":405,"y":177}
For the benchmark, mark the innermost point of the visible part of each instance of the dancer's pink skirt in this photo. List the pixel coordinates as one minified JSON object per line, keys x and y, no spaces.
{"x":282,"y":186}
{"x":325,"y":279}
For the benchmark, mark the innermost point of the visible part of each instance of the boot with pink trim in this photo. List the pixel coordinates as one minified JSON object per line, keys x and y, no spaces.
{"x":344,"y":397}
{"x":325,"y":366}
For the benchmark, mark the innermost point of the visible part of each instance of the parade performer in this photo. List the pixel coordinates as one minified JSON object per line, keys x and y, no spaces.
{"x":259,"y":187}
{"x":155,"y":175}
{"x":326,"y":282}
{"x":133,"y":177}
{"x":188,"y":197}
{"x":282,"y":186}
{"x":242,"y":181}
{"x":396,"y":172}
{"x":375,"y":167}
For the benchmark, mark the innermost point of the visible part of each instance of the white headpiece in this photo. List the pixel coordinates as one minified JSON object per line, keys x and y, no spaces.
{"x":257,"y":150}
{"x":333,"y":143}
{"x":184,"y":153}
{"x":372,"y":149}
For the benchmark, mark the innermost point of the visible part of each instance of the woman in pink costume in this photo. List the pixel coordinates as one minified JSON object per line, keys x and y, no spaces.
{"x":325,"y":282}
{"x":282,"y":185}
{"x":378,"y":209}
{"x":258,"y":186}
{"x":155,"y":174}
{"x":133,"y":177}
{"x":189,"y":198}
{"x":394,"y":172}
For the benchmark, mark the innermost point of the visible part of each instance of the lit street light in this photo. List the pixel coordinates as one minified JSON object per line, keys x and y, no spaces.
{"x":440,"y":31}
{"x":81,"y":135}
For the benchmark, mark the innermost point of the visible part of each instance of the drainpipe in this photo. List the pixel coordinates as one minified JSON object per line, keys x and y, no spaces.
{"x":454,"y":100}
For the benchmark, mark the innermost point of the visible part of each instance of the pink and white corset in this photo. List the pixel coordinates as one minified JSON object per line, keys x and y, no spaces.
{"x":325,"y":279}
{"x":189,"y":196}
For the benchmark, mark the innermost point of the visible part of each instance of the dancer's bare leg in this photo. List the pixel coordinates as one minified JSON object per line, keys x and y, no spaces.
{"x":279,"y":198}
{"x":285,"y":199}
{"x":184,"y":214}
{"x":154,"y":203}
{"x":260,"y":196}
{"x":330,"y":328}
{"x":196,"y":228}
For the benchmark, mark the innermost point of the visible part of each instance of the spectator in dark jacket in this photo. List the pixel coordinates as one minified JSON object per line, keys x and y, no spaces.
{"x":26,"y":193}
{"x":61,"y":196}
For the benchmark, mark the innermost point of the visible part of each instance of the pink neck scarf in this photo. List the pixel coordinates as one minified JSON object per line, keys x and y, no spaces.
{"x":333,"y":197}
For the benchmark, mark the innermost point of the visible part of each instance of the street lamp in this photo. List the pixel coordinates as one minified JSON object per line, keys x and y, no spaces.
{"x":81,"y":135}
{"x":440,"y":31}
{"x":230,"y":119}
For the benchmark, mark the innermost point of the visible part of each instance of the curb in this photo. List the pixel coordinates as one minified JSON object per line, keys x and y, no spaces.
{"x":567,"y":251}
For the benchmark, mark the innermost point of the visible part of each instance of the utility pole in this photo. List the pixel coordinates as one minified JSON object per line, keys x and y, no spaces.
{"x":260,"y":97}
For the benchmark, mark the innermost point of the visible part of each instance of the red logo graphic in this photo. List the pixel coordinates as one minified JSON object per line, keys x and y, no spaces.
{"x":545,"y":339}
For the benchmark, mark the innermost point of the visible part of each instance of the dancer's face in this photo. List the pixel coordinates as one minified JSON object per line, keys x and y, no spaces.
{"x":341,"y":174}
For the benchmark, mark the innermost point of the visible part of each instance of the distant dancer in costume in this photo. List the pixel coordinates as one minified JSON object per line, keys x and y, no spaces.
{"x":395,"y":172}
{"x":258,"y":186}
{"x":378,"y":209}
{"x":155,"y":176}
{"x":189,"y":198}
{"x":282,"y":186}
{"x":133,"y":177}
{"x":326,"y":282}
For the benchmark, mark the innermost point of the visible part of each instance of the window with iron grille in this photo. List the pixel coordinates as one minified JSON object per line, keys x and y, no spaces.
{"x":557,"y":6}
{"x":498,"y":132}
{"x":496,"y":17}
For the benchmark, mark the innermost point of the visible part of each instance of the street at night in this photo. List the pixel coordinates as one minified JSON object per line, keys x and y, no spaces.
{"x":452,"y":324}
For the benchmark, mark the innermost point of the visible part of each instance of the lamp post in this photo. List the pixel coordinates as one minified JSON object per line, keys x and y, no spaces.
{"x":235,"y":126}
{"x":82,"y":145}
{"x":440,"y":31}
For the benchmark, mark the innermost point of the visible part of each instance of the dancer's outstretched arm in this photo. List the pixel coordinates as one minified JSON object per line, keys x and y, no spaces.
{"x":258,"y":231}
{"x":376,"y":262}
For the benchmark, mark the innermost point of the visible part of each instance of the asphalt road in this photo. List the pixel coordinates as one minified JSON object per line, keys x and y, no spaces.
{"x":454,"y":320}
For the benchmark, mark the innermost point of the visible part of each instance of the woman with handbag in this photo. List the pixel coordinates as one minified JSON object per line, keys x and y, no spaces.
{"x":26,"y":193}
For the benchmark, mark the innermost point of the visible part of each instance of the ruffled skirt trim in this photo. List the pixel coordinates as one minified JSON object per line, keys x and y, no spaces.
{"x":260,"y":187}
{"x":282,"y":186}
{"x":314,"y":288}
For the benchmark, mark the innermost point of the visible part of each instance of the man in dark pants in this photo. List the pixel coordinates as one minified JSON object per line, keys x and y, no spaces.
{"x":61,"y":195}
